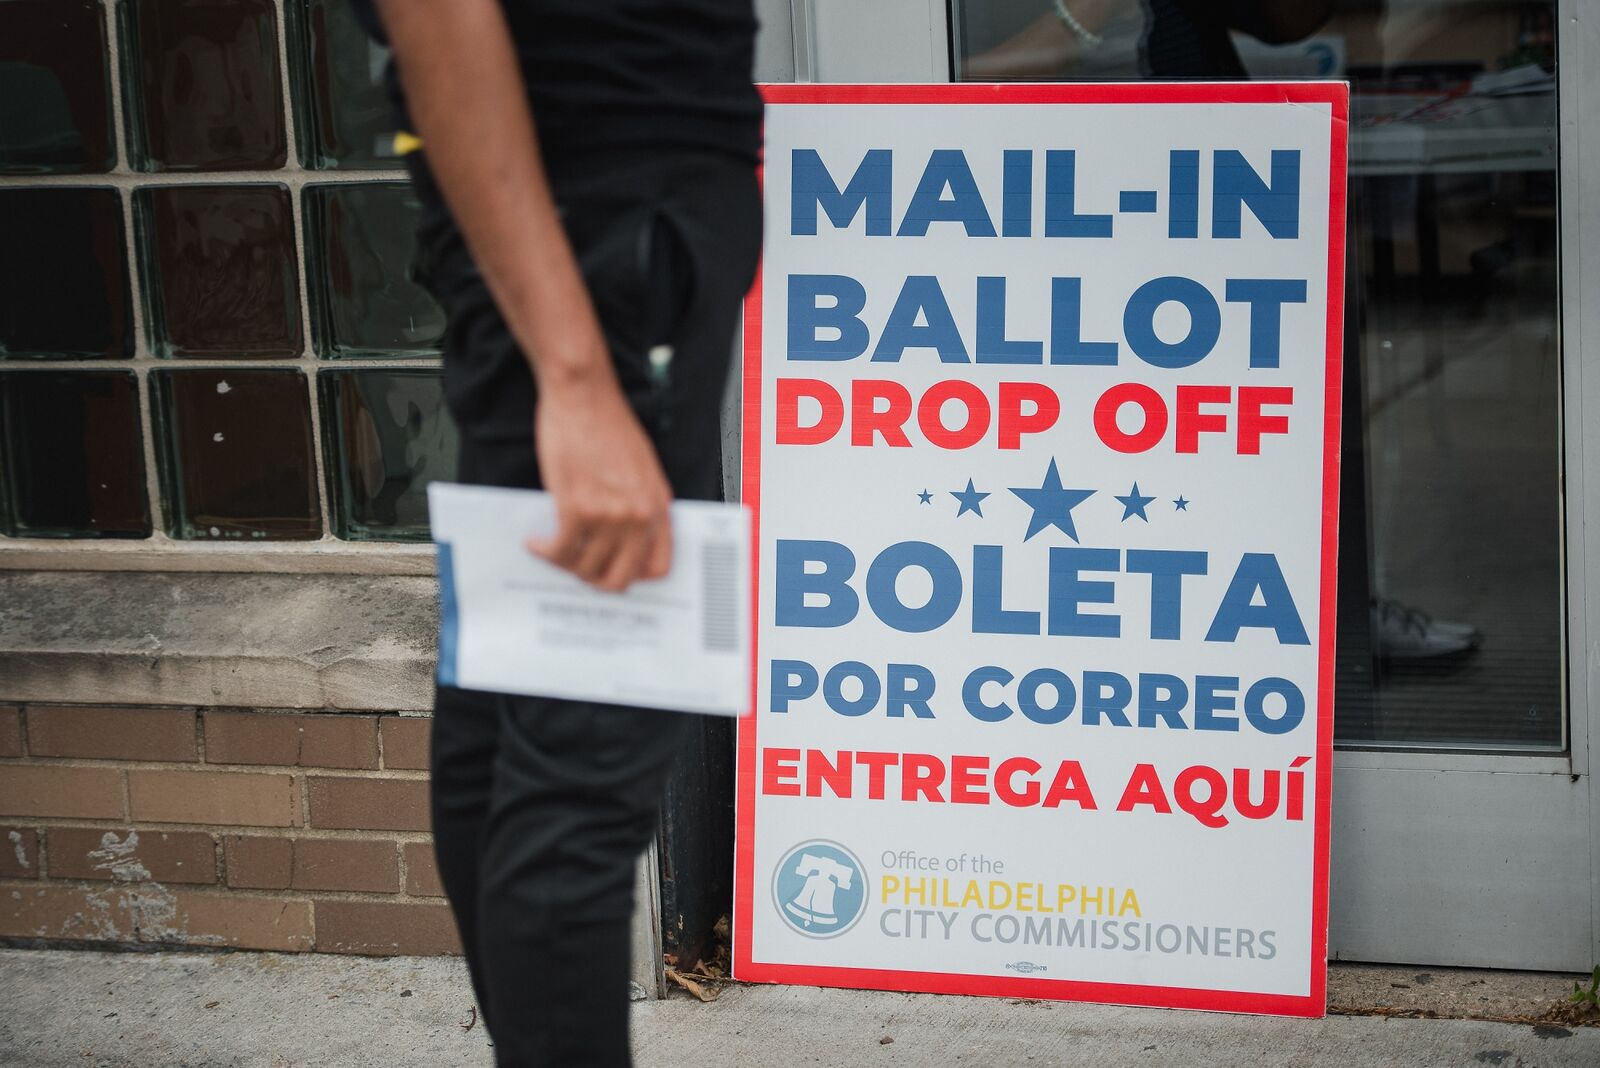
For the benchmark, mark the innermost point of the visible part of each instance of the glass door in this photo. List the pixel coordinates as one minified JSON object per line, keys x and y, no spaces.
{"x":1461,"y":828}
{"x":1451,"y":503}
{"x":1463,"y":832}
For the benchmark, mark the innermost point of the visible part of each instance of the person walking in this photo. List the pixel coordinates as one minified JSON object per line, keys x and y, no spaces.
{"x":591,"y":219}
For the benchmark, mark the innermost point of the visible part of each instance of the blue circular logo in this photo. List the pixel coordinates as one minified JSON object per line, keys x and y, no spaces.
{"x":820,"y":888}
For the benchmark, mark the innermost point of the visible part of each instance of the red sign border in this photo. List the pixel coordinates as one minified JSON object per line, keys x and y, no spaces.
{"x":1314,"y":1004}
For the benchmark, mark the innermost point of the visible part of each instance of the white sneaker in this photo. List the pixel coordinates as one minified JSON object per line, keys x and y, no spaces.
{"x":1400,"y":632}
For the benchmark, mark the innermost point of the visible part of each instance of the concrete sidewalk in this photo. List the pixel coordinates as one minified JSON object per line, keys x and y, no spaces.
{"x":188,"y":1010}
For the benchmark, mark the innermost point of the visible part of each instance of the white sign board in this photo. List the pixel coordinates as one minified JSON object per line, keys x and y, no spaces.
{"x":1041,"y":398}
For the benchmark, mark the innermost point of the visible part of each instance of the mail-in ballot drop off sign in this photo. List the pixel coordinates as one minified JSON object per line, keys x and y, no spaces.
{"x":1041,"y":395}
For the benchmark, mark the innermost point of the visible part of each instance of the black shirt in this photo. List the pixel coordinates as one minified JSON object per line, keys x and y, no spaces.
{"x":1189,"y":39}
{"x":624,"y":73}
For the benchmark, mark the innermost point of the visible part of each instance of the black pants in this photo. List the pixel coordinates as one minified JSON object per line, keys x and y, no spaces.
{"x":541,"y":807}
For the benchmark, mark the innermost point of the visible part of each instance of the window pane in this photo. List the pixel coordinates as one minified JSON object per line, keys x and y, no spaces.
{"x":1451,"y":627}
{"x":202,"y":85}
{"x":1461,"y":379}
{"x":68,"y":295}
{"x":55,"y":96}
{"x":73,"y":461}
{"x":344,"y":114}
{"x":388,"y":435}
{"x":359,"y":243}
{"x":219,"y":265}
{"x":236,"y":454}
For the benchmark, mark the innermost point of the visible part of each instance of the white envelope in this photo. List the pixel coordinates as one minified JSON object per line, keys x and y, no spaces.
{"x":512,"y":623}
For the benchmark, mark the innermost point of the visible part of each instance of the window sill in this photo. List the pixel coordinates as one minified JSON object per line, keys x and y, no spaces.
{"x":336,"y":641}
{"x":160,"y":553}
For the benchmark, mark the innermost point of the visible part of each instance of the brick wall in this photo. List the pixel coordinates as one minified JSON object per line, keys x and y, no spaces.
{"x":236,"y":828}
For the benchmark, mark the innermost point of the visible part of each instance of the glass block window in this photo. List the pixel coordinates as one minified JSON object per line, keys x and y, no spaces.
{"x":391,"y":438}
{"x":68,"y":296}
{"x":221,"y":270}
{"x":345,"y":119}
{"x":55,"y":90}
{"x":202,"y":85}
{"x":236,"y":454}
{"x":359,"y":245}
{"x":220,"y":342}
{"x":71,"y":455}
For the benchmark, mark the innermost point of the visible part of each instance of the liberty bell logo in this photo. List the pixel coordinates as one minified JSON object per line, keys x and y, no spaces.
{"x":820,"y":889}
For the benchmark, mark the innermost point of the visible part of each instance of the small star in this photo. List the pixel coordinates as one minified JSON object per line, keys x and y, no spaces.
{"x":1052,"y":505}
{"x":925,"y":497}
{"x":1134,"y":504}
{"x":971,"y":500}
{"x":1182,"y":504}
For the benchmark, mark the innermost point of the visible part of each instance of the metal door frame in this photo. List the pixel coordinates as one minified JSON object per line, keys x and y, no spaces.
{"x":1578,"y":100}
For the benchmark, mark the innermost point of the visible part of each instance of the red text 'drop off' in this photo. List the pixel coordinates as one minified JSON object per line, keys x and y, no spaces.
{"x":1130,"y":417}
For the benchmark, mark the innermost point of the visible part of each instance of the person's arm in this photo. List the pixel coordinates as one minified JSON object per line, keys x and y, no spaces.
{"x":468,"y":101}
{"x":1045,"y":46}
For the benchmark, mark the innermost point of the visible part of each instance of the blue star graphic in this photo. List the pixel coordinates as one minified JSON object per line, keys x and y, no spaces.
{"x":1134,"y":504}
{"x":1052,"y":505}
{"x":1182,"y":504}
{"x":971,"y":500}
{"x":925,"y":497}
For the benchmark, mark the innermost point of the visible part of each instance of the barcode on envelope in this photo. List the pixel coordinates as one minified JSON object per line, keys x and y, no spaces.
{"x":720,"y":574}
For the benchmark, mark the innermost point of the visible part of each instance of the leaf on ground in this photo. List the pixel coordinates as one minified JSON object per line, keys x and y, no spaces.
{"x":701,"y":992}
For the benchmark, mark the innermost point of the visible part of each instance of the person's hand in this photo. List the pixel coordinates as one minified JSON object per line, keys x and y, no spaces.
{"x":1039,"y":49}
{"x":612,"y":498}
{"x":1045,"y":46}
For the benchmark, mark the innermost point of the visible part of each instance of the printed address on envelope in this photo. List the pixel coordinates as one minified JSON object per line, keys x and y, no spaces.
{"x":512,"y":623}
